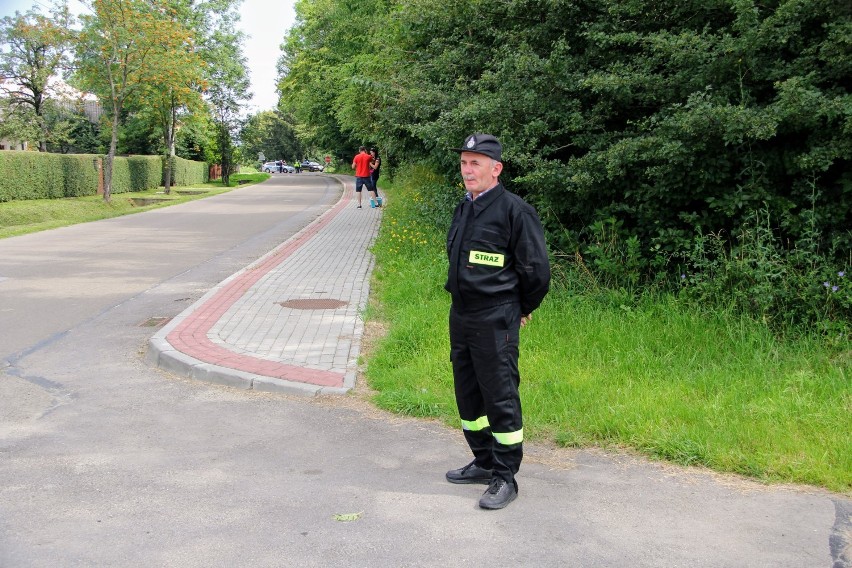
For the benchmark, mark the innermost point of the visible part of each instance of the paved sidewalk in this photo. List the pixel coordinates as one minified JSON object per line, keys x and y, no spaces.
{"x":291,"y":321}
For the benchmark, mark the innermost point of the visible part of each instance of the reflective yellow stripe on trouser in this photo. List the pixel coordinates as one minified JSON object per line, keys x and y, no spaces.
{"x":509,"y":438}
{"x":505,"y":438}
{"x":477,"y":425}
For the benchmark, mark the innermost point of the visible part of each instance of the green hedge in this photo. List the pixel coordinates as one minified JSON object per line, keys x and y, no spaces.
{"x":31,"y":175}
{"x":120,"y":175}
{"x":187,"y":172}
{"x":38,"y":175}
{"x":136,"y":173}
{"x":146,"y":172}
{"x":80,"y":174}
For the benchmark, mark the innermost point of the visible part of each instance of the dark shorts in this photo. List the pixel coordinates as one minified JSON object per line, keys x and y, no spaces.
{"x":362,"y":181}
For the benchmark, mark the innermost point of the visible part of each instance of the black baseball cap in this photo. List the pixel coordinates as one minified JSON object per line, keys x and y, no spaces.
{"x":482,"y":144}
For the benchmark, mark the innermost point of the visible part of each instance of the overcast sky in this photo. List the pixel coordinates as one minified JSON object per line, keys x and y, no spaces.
{"x":264,"y":22}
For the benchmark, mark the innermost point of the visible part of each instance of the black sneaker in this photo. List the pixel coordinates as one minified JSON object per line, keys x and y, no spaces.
{"x":471,"y":473}
{"x":499,"y":494}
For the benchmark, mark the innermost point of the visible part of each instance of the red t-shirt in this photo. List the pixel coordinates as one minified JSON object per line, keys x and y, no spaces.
{"x":362,"y":165}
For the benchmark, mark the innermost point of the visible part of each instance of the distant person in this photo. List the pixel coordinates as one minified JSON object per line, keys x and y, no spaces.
{"x":298,"y":166}
{"x":375,"y":170}
{"x":361,"y":165}
{"x":499,"y":273}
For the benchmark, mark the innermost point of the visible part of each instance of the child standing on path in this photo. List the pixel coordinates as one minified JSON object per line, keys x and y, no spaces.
{"x":375,"y":170}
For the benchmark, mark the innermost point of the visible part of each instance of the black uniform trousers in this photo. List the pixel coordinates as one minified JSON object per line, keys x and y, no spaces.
{"x":484,"y":354}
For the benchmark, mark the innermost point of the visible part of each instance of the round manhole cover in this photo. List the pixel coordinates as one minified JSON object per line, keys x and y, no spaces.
{"x":313,"y":304}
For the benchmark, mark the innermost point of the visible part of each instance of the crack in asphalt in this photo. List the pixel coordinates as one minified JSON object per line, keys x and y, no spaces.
{"x":840,"y":541}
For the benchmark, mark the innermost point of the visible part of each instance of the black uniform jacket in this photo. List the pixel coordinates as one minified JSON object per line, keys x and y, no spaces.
{"x":497,"y":253}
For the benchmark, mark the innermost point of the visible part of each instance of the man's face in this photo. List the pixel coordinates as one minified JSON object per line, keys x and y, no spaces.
{"x":479,"y":172}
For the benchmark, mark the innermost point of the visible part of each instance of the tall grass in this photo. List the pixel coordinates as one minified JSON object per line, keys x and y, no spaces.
{"x":603,"y":369}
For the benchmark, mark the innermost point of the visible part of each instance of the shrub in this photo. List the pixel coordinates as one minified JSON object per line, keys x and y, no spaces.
{"x":434,"y":199}
{"x":799,"y":287}
{"x":136,"y":173}
{"x":662,"y":115}
{"x":120,"y":175}
{"x":42,"y":175}
{"x":30,"y":175}
{"x":146,"y":172}
{"x":187,"y":172}
{"x":80,"y":174}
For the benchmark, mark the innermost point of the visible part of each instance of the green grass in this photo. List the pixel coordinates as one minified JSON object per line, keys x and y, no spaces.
{"x":30,"y":216}
{"x":654,"y":375}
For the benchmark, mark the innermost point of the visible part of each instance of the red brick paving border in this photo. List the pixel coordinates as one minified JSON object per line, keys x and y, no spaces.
{"x":190,"y":336}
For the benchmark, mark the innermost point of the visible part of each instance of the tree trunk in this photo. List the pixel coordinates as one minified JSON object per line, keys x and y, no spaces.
{"x":225,"y":148}
{"x":110,"y":157}
{"x":170,"y":150}
{"x":167,"y":164}
{"x":167,"y":174}
{"x":38,"y":107}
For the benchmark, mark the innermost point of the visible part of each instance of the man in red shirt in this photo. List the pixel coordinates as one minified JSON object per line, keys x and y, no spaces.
{"x":361,"y":165}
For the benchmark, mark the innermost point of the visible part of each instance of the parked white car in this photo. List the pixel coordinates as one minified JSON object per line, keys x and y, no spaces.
{"x":277,"y":167}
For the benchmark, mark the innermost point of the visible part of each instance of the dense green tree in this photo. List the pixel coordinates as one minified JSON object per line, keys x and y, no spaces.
{"x":194,"y":139}
{"x":648,"y":122}
{"x":229,"y":87}
{"x":138,"y":135}
{"x":36,"y":52}
{"x":63,"y":124}
{"x":18,"y":123}
{"x":172,"y":97}
{"x":326,"y":73}
{"x":227,"y":80}
{"x":271,"y":134}
{"x":126,"y":46}
{"x":84,"y":136}
{"x":175,"y":95}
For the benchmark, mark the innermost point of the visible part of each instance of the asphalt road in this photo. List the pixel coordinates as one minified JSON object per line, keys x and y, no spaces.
{"x":105,"y":461}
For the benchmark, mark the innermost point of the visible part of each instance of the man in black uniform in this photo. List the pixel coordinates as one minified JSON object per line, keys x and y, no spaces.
{"x":499,"y":273}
